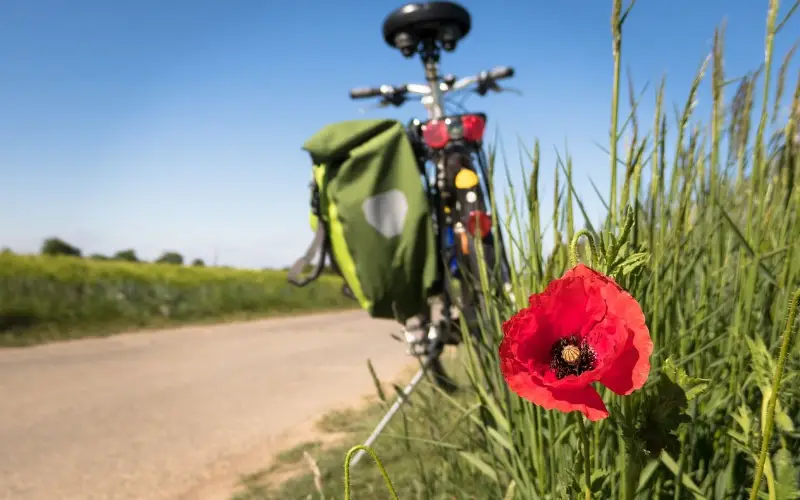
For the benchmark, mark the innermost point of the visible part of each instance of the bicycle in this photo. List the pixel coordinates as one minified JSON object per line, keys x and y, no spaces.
{"x":452,"y":144}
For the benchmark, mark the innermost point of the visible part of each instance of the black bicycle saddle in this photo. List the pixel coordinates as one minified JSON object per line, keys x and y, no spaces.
{"x":445,"y":22}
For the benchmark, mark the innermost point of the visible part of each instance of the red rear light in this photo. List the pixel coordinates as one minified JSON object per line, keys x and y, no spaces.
{"x":474,"y":125}
{"x":435,"y":134}
{"x":478,"y":220}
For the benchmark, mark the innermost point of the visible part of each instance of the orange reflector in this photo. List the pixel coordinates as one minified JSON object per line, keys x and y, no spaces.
{"x":464,"y":244}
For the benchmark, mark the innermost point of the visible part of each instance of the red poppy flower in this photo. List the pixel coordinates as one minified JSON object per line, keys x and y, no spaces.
{"x":582,"y":329}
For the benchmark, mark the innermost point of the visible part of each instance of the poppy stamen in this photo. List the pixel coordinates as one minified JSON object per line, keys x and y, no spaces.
{"x":571,"y":355}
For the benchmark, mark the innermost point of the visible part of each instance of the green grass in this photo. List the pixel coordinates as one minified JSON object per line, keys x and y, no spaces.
{"x":407,"y":447}
{"x":295,"y":454}
{"x":52,"y":298}
{"x":714,"y":222}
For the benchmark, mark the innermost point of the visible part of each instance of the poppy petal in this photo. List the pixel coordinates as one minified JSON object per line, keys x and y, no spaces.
{"x":631,"y":369}
{"x":585,"y":399}
{"x":587,"y":273}
{"x":528,"y":337}
{"x":566,"y":306}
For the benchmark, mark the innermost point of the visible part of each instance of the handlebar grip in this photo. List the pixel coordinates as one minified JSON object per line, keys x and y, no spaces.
{"x":501,"y":72}
{"x":364,"y":92}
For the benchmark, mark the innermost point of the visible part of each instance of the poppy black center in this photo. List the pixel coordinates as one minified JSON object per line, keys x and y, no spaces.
{"x":571,"y":355}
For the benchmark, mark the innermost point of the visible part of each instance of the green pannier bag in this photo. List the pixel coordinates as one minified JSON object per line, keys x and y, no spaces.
{"x":371,"y":217}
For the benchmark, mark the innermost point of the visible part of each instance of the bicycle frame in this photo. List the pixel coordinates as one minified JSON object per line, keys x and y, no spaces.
{"x":453,"y":144}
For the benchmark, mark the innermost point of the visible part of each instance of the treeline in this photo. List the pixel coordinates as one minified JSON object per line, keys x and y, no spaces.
{"x":57,"y":246}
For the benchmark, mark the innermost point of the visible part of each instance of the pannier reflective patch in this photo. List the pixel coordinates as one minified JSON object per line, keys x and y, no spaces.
{"x":386,"y":212}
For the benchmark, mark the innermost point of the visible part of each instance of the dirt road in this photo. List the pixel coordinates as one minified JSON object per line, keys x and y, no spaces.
{"x":158,"y":415}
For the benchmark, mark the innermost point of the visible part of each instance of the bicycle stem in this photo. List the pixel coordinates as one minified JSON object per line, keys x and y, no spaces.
{"x":430,"y":59}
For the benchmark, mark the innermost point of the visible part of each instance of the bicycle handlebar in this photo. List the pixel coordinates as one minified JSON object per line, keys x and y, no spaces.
{"x":364,"y":92}
{"x":501,"y":72}
{"x":483,"y":79}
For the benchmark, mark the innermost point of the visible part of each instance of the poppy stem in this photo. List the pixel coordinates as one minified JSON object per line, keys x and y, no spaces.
{"x":349,"y":457}
{"x":633,"y":463}
{"x":573,"y":248}
{"x":587,"y":457}
{"x":791,"y":315}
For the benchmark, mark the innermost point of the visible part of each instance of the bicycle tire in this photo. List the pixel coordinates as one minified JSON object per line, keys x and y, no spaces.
{"x":473,"y":300}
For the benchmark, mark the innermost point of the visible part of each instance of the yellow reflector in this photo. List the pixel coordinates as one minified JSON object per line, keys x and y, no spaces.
{"x":466,"y":179}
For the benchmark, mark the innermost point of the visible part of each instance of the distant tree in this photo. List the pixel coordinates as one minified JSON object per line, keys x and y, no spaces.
{"x":126,"y":255}
{"x":98,"y":256}
{"x":198,"y":263}
{"x":170,"y":258}
{"x":57,"y":246}
{"x":6,"y":251}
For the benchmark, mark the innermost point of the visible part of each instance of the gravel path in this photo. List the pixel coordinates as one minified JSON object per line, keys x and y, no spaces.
{"x":176,"y":413}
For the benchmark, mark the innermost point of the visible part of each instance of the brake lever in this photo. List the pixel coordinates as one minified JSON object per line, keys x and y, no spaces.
{"x":381,"y":104}
{"x":484,"y":89}
{"x":484,"y":86}
{"x":396,"y":99}
{"x":510,"y":89}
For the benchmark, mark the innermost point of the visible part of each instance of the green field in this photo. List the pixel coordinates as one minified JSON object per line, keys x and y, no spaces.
{"x":46,"y":298}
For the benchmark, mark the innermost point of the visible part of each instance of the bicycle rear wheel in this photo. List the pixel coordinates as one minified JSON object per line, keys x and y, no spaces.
{"x":479,"y":253}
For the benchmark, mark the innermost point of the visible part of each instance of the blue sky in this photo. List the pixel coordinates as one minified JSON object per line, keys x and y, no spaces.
{"x":177,"y":125}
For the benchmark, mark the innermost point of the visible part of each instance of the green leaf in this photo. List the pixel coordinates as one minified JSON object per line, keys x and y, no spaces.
{"x":648,"y":472}
{"x":692,"y":386}
{"x":672,"y":465}
{"x":738,"y":436}
{"x":566,"y":484}
{"x":611,"y":248}
{"x":744,"y":419}
{"x":783,"y":420}
{"x":660,"y":411}
{"x":629,"y":264}
{"x":568,"y":431}
{"x":510,"y":491}
{"x":376,"y":381}
{"x":497,"y":414}
{"x":786,"y":484}
{"x":598,"y":479}
{"x":500,"y":439}
{"x":479,"y":464}
{"x":762,"y":365}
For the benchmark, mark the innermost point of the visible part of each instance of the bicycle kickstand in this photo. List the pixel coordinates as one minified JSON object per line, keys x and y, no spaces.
{"x":401,"y":398}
